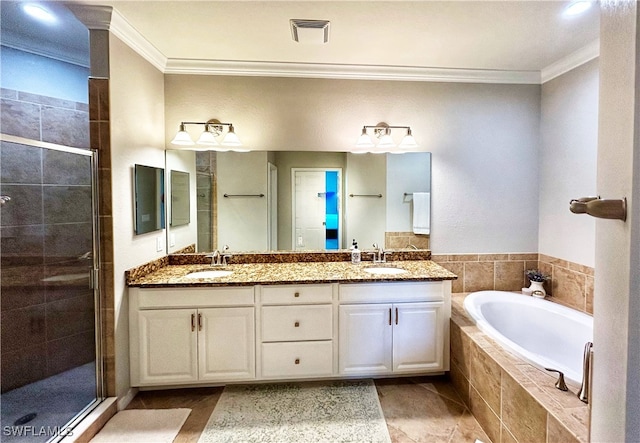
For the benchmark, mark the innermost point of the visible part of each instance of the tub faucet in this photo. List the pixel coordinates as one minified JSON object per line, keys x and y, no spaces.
{"x":560,"y":384}
{"x":583,"y":394}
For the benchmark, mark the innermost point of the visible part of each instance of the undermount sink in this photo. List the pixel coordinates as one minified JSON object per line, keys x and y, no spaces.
{"x":381,"y":270}
{"x":209,"y":274}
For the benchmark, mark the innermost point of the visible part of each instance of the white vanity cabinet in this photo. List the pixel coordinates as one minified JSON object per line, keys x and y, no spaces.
{"x":389,"y":328}
{"x":183,"y":336}
{"x":297,"y":329}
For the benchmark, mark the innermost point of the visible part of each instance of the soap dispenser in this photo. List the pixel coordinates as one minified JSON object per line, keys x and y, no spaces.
{"x":355,"y":253}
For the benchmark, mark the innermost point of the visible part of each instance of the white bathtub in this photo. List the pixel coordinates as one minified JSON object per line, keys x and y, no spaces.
{"x":543,"y":333}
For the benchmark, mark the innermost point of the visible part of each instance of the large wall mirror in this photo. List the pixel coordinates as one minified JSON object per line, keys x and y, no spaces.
{"x":293,"y":200}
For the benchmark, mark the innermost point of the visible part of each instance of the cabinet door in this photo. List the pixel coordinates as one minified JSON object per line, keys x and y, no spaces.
{"x":168,"y":346}
{"x":365,"y":339}
{"x":226,"y":344}
{"x":417,"y":337}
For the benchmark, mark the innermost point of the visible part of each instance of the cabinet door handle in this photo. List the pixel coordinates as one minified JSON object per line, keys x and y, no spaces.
{"x":389,"y":316}
{"x":396,"y":315}
{"x":297,"y":324}
{"x":199,"y":322}
{"x":296,"y":295}
{"x":297,"y":361}
{"x":193,"y":322}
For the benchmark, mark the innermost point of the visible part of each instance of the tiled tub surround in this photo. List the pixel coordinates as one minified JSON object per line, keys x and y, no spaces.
{"x":571,"y":284}
{"x":512,"y":400}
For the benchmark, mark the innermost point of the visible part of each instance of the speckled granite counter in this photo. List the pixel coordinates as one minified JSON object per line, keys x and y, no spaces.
{"x":291,"y":273}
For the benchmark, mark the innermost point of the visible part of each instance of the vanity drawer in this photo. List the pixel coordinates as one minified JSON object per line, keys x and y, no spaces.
{"x":297,"y":359}
{"x":297,"y":323}
{"x":288,"y":294}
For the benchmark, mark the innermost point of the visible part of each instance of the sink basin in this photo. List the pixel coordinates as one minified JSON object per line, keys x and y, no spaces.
{"x":381,"y":270}
{"x":209,"y":274}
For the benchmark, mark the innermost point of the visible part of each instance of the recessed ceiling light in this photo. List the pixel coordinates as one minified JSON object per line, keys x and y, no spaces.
{"x":39,"y":12}
{"x":577,"y":7}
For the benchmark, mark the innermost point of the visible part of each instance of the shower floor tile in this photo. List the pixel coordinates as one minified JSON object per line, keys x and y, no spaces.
{"x":55,"y":400}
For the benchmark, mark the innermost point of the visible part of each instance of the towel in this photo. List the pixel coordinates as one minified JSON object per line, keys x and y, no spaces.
{"x":421,"y":212}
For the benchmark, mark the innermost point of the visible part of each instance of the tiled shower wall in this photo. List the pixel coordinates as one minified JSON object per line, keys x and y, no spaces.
{"x":47,"y":326}
{"x":205,"y":178}
{"x":570,"y":284}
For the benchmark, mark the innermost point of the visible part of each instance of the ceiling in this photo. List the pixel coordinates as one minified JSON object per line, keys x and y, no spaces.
{"x":455,"y":36}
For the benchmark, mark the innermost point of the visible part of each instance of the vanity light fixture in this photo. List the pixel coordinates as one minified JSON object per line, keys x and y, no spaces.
{"x":207,"y":140}
{"x":385,"y":144}
{"x":577,"y":8}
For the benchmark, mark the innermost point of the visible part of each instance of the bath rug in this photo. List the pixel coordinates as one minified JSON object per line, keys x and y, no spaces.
{"x":143,"y":426}
{"x":343,"y":411}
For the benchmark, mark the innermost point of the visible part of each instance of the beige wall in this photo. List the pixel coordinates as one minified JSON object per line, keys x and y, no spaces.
{"x":616,"y":391}
{"x":484,"y":140}
{"x":137,"y":128}
{"x":568,"y":157}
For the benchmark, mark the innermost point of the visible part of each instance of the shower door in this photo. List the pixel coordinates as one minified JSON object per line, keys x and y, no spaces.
{"x":51,"y":366}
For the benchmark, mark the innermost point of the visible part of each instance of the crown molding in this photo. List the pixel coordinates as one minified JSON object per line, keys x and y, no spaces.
{"x":354,"y":72}
{"x":122,"y":29}
{"x":571,"y":61}
{"x":108,"y":18}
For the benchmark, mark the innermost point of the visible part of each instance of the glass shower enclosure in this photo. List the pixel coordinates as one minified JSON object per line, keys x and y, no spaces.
{"x":51,"y":365}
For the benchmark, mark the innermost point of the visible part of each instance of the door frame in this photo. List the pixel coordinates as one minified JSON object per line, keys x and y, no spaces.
{"x":293,"y":201}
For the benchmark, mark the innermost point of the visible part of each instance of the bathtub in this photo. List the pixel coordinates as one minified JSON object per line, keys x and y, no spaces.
{"x":545,"y":334}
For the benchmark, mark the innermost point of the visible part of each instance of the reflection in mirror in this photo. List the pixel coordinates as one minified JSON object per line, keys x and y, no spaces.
{"x":149,"y":199}
{"x":180,"y":212}
{"x":372,"y":204}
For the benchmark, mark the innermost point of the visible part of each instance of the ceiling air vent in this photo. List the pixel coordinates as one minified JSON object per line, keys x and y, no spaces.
{"x":315,"y":32}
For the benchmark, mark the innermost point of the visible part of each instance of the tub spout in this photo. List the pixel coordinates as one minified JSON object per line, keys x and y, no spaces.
{"x":583,"y":395}
{"x":560,"y":384}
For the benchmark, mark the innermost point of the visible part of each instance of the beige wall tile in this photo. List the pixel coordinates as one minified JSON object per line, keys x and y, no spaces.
{"x":525,"y":418}
{"x":460,"y":349}
{"x":493,"y":257}
{"x":478,"y":276}
{"x":509,"y":275}
{"x":486,"y":417}
{"x":525,"y":257}
{"x":460,"y":383}
{"x":463,"y":257}
{"x":485,"y":376}
{"x":569,"y":287}
{"x":506,"y":437}
{"x":588,"y":289}
{"x":557,"y":433}
{"x":458,"y":269}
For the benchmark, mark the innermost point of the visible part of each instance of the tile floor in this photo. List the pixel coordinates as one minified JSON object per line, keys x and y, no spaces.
{"x":417,"y":410}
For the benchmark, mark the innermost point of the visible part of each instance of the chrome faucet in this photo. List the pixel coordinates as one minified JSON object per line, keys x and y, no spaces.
{"x":379,"y":254}
{"x":219,"y":258}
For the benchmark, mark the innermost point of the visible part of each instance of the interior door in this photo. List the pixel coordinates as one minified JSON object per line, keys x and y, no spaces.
{"x":309,"y":210}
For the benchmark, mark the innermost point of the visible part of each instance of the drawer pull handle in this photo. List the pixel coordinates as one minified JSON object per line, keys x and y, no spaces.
{"x":193,"y":322}
{"x":297,"y":324}
{"x":389,"y":316}
{"x":199,"y":322}
{"x":296,"y":295}
{"x":297,"y":361}
{"x":396,"y":315}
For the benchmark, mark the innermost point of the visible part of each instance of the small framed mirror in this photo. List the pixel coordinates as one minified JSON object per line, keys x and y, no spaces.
{"x":149,"y":199}
{"x":180,"y":207}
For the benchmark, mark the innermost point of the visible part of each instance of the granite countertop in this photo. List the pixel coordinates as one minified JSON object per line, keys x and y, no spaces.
{"x":291,"y":273}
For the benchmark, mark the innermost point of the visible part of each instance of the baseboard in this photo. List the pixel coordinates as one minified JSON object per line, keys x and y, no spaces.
{"x":126,"y":399}
{"x":93,"y":422}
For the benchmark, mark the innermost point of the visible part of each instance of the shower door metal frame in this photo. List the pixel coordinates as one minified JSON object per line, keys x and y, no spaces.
{"x":95,"y":268}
